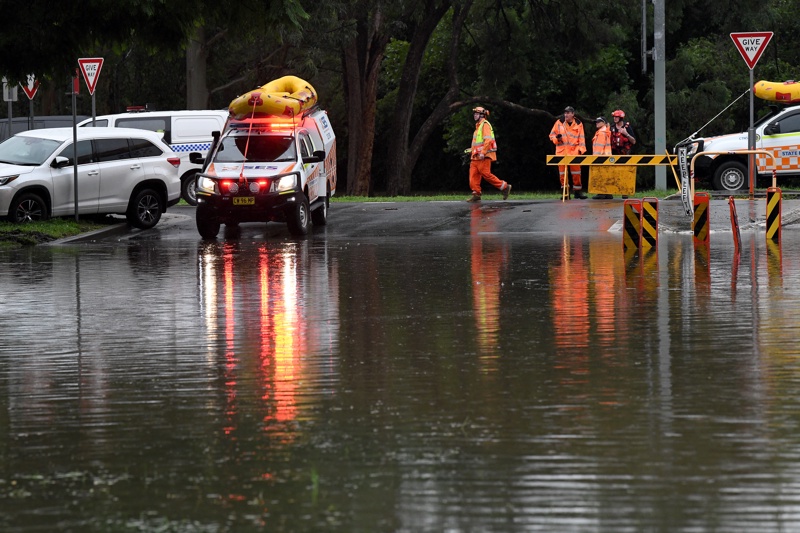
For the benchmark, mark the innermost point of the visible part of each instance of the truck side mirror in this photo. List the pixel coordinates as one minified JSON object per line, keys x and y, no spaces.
{"x":59,"y":162}
{"x":773,"y":128}
{"x":196,"y":158}
{"x":316,"y":157}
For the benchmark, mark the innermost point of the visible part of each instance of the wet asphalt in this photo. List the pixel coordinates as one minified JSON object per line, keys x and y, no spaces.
{"x":387,"y":219}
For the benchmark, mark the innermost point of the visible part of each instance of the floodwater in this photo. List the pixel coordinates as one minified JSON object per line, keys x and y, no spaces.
{"x":462,"y":383}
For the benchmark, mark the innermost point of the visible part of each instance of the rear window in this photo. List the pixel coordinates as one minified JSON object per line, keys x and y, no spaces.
{"x":112,"y":149}
{"x":98,"y":123}
{"x":144,"y":148}
{"x":144,"y":123}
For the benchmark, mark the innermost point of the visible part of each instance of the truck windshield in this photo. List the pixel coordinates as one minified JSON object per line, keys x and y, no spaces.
{"x":261,"y":148}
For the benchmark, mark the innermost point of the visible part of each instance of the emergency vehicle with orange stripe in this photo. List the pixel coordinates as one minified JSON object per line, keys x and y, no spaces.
{"x":778,"y":133}
{"x":268,"y":168}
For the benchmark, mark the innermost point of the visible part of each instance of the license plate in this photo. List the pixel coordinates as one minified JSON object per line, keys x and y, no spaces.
{"x":244,"y":200}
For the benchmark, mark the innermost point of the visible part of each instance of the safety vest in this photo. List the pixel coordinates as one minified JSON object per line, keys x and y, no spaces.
{"x":483,"y":141}
{"x":572,"y":140}
{"x":601,"y":143}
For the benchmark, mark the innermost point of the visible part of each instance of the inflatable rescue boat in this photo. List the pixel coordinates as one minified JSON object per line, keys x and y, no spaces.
{"x":786,"y":92}
{"x":288,"y":96}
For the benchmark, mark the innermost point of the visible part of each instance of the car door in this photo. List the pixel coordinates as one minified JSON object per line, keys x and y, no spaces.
{"x":313,"y":170}
{"x":88,"y":181}
{"x":119,"y":174}
{"x":783,"y":142}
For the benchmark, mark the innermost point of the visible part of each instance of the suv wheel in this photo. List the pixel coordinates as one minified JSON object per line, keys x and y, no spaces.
{"x":27,"y":207}
{"x":298,"y":217}
{"x":189,"y":189}
{"x":144,"y":211}
{"x":730,"y":176}
{"x":319,"y":216}
{"x":207,"y":226}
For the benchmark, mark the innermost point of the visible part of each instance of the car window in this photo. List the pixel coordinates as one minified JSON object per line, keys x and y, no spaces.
{"x":790,"y":124}
{"x":98,"y":123}
{"x":144,"y":148}
{"x":31,"y":151}
{"x":85,"y":154}
{"x":264,"y":148}
{"x":305,"y":143}
{"x":112,"y":149}
{"x":157,"y":124}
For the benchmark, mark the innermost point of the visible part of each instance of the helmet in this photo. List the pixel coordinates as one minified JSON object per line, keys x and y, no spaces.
{"x":601,"y":119}
{"x":618,"y":113}
{"x":482,"y":110}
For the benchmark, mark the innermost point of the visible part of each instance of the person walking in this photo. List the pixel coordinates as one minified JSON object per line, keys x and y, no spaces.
{"x":601,"y":145}
{"x":568,"y":136}
{"x":482,"y":153}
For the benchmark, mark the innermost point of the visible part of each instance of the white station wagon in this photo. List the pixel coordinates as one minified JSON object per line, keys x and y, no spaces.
{"x":120,"y":170}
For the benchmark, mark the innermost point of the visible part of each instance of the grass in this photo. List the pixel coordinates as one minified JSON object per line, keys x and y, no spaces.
{"x":14,"y":235}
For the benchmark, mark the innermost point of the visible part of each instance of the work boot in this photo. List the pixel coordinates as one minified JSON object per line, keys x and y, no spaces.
{"x":506,"y":191}
{"x":579,"y":194}
{"x":474,"y":198}
{"x":602,"y":197}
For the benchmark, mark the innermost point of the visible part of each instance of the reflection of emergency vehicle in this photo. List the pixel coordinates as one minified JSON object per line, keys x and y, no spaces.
{"x":269,"y":168}
{"x":778,"y":133}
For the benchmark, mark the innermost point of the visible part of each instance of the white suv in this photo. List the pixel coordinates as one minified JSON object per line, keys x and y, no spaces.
{"x":119,"y":170}
{"x":184,"y":131}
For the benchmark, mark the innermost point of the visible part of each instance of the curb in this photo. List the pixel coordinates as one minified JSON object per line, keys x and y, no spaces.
{"x":102,"y":233}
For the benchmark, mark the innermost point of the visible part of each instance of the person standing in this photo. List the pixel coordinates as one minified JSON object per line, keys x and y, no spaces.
{"x":622,"y":139}
{"x":568,"y":136}
{"x":482,"y":153}
{"x":601,"y":145}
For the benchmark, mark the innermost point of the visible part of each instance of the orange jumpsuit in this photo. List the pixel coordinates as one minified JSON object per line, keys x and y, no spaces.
{"x":601,"y":143}
{"x":572,"y":142}
{"x":483,"y":143}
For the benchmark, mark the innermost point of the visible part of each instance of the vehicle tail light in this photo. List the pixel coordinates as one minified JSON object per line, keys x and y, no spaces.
{"x":174,"y":161}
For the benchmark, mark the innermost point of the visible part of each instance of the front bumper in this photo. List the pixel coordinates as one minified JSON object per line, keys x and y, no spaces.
{"x":270,"y":207}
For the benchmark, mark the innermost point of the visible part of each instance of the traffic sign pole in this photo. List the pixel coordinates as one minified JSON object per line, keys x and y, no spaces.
{"x":751,"y":45}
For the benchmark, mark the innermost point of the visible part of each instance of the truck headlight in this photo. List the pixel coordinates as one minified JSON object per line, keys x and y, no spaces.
{"x":205,"y":184}
{"x":284,"y":183}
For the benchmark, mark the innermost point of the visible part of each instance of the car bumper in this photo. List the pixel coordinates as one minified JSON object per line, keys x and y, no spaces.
{"x":265,"y":208}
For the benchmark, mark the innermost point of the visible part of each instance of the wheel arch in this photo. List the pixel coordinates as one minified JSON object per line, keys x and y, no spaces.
{"x":39,"y":190}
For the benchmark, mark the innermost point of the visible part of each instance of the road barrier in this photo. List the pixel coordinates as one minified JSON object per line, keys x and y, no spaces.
{"x":737,"y":235}
{"x":632,"y":225}
{"x":638,"y":160}
{"x":774,"y":197}
{"x":700,"y":222}
{"x":649,"y":222}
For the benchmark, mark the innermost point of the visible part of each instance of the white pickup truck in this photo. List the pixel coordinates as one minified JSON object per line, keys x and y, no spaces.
{"x":777,"y":133}
{"x":268,"y":169}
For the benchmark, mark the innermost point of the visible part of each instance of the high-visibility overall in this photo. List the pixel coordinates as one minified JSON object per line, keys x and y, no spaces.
{"x":484,"y":151}
{"x":572,"y":142}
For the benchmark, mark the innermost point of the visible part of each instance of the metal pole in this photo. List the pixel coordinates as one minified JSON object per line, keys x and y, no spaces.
{"x":751,"y":143}
{"x":660,"y":100}
{"x":75,"y":140}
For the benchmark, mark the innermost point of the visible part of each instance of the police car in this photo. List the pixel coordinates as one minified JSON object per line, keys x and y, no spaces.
{"x":777,"y":133}
{"x":266,"y":169}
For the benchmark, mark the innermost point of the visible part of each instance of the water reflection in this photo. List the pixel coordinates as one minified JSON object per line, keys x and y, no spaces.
{"x":488,"y":382}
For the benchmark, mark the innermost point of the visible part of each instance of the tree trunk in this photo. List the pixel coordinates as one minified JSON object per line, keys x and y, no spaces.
{"x":399,"y":175}
{"x":196,"y":60}
{"x":361,"y":61}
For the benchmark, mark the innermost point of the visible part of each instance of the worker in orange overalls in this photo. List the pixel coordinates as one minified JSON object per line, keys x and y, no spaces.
{"x":568,"y":136}
{"x":482,"y":153}
{"x":601,"y":145}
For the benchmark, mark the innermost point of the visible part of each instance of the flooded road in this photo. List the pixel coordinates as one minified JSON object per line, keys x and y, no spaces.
{"x":462,"y":381}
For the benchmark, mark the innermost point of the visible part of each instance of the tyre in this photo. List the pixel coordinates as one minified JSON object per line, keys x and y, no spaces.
{"x":189,"y":189}
{"x":297,"y":218}
{"x":730,"y":176}
{"x":27,"y":207}
{"x":144,"y":211}
{"x":207,"y":226}
{"x":319,"y":216}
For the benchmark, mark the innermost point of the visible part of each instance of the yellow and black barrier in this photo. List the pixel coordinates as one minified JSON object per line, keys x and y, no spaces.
{"x":632,"y":225}
{"x":638,"y":160}
{"x":649,"y":222}
{"x":700,"y":223}
{"x":774,"y":214}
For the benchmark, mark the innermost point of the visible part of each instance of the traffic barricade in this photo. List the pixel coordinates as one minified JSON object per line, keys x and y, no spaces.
{"x":700,"y":222}
{"x":774,"y":197}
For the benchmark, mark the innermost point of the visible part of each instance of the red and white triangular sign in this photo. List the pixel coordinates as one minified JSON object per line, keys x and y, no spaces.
{"x":32,"y":86}
{"x":90,"y":67}
{"x":751,"y":45}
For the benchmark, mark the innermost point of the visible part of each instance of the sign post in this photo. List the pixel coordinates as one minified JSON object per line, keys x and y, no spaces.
{"x":9,"y":95}
{"x":751,"y":45}
{"x":30,"y":91}
{"x":90,"y":67}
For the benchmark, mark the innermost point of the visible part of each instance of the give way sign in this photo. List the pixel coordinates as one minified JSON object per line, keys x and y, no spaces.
{"x":90,"y":67}
{"x":751,"y":45}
